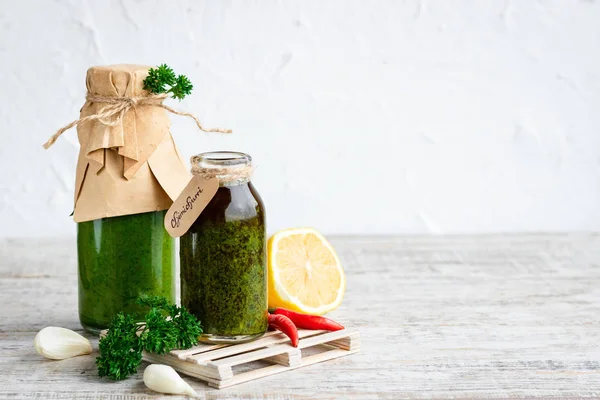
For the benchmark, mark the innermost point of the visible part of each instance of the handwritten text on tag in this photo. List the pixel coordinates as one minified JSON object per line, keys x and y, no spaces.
{"x":190,"y":203}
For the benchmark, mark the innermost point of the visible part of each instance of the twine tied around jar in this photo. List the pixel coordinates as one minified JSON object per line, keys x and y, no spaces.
{"x":117,"y":107}
{"x":231,"y":173}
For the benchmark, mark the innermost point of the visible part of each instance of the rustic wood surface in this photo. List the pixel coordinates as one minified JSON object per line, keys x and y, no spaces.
{"x":501,"y":316}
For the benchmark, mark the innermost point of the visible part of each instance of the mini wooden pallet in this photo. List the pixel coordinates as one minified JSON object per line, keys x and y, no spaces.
{"x":222,"y":365}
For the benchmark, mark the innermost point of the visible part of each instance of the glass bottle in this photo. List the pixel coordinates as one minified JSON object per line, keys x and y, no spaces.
{"x":223,"y":254}
{"x":120,"y":258}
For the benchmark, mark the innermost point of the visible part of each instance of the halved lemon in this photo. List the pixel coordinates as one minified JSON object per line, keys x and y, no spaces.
{"x":305,"y":274}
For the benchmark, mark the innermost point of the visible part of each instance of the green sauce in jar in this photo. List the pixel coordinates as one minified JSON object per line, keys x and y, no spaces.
{"x":223,"y":260}
{"x":120,"y":258}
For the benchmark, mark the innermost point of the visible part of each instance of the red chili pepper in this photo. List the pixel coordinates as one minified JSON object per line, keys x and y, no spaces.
{"x":285,"y":325}
{"x":306,"y":321}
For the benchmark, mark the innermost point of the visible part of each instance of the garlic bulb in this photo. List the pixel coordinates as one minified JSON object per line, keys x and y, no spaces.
{"x":60,"y":343}
{"x":164,"y":379}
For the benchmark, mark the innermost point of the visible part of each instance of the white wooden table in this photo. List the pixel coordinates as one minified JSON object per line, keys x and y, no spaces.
{"x":440,"y":317}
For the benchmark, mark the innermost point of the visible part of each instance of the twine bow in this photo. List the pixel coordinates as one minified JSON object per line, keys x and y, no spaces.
{"x":117,"y":107}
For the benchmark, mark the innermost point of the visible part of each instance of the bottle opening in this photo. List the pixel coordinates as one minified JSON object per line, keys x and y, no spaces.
{"x":231,"y":167}
{"x":219,"y":159}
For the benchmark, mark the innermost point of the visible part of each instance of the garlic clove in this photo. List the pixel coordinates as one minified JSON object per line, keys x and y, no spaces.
{"x":59,"y":343}
{"x":164,"y":379}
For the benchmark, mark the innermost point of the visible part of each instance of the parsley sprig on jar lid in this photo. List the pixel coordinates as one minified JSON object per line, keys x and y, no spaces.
{"x":164,"y":80}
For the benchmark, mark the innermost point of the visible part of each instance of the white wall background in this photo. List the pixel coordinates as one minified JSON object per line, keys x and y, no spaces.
{"x":414,"y":116}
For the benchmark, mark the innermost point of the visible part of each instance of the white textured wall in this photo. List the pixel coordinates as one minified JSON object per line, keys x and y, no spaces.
{"x":363,"y":116}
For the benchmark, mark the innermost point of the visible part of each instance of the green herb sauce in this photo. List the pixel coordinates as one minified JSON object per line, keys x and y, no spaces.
{"x":119,"y":259}
{"x":223,"y":265}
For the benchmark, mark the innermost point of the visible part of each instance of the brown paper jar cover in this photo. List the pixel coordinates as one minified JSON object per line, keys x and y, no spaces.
{"x":130,"y":167}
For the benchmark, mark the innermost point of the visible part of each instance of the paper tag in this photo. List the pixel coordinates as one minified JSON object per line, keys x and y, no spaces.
{"x":190,"y":203}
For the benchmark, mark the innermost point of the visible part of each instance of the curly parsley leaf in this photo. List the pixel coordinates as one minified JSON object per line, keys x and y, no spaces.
{"x":187,"y":326}
{"x":162,"y":79}
{"x":120,"y":349}
{"x":177,"y":329}
{"x":182,"y":87}
{"x":160,"y":335}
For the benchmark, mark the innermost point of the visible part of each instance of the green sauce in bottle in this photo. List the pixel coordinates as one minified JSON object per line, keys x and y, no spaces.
{"x":223,"y":258}
{"x":120,"y":258}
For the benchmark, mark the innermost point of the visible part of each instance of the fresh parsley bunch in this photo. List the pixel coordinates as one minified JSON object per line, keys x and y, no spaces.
{"x":162,"y":79}
{"x":120,"y":349}
{"x":167,"y":327}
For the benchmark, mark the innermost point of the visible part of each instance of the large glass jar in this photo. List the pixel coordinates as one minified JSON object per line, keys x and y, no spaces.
{"x":223,"y":254}
{"x":120,"y":258}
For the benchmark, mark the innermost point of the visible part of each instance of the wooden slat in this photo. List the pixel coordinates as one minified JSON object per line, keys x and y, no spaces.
{"x":277,"y":369}
{"x":289,"y":359}
{"x":324,"y":338}
{"x":183,"y":354}
{"x":205,"y":372}
{"x":351,"y":342}
{"x":202,"y":348}
{"x":274,"y":338}
{"x":255,"y":355}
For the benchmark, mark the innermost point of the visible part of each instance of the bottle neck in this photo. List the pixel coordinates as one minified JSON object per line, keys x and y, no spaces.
{"x":230,"y":168}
